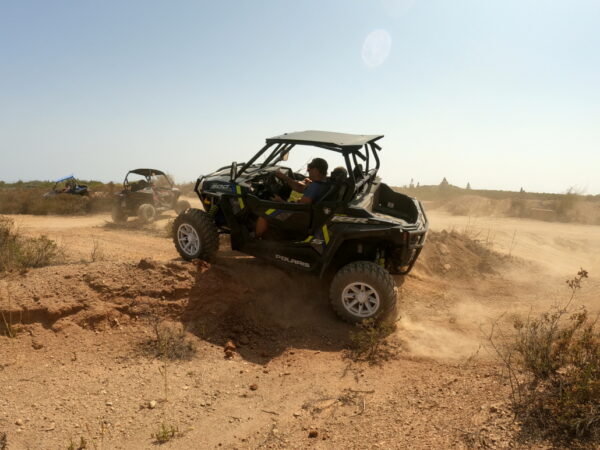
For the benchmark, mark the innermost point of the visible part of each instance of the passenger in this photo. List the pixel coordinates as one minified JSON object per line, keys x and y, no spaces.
{"x":339,"y":173}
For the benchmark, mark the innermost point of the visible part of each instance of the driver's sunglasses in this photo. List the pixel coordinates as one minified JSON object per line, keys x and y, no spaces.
{"x":309,"y":167}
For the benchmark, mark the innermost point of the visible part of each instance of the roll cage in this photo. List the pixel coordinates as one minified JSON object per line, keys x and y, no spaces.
{"x":356,"y":149}
{"x":148,"y":174}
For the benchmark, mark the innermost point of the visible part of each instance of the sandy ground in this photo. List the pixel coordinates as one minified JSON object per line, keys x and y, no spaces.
{"x":561,"y":248}
{"x":81,"y":367}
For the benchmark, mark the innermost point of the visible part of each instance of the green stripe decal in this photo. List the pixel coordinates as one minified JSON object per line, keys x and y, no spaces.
{"x":269,"y":211}
{"x":326,"y":234}
{"x":238,"y":190}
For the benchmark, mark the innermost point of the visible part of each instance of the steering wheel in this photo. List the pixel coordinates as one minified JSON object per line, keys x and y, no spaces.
{"x":275,"y":186}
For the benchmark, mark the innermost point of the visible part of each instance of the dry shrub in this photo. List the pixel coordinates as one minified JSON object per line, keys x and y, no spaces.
{"x":187,"y":189}
{"x":32,"y":201}
{"x":170,"y":229}
{"x":97,"y":252}
{"x":518,"y":207}
{"x":565,"y":204}
{"x":368,"y":341}
{"x":82,"y":445}
{"x":554,"y":370}
{"x":468,"y":205}
{"x":17,"y":251}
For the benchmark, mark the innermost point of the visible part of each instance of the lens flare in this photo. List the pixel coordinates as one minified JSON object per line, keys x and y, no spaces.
{"x":376,"y":48}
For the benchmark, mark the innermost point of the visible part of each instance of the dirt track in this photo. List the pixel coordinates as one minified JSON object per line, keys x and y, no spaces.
{"x":78,"y":367}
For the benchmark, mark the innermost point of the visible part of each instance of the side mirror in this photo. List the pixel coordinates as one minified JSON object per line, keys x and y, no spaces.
{"x":233,"y":171}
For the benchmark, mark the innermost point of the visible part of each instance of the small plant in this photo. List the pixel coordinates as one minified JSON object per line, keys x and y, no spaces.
{"x":367,"y":342}
{"x":83,"y":444}
{"x":165,"y":433}
{"x":171,"y":342}
{"x":97,"y":253}
{"x":7,"y":325}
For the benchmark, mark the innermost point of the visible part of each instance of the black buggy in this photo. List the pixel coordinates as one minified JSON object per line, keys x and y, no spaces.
{"x":146,"y":192}
{"x":357,"y":234}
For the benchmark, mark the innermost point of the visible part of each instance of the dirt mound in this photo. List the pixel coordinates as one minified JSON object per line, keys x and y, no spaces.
{"x":264,"y":310}
{"x":239,"y":298}
{"x":96,"y":295}
{"x":456,"y":255}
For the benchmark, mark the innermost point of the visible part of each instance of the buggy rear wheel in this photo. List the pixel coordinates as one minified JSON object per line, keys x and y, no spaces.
{"x":146,"y":213}
{"x":195,"y":235}
{"x":118,"y":215}
{"x":363,"y":290}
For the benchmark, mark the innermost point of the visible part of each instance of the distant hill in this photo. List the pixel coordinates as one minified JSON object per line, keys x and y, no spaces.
{"x":569,"y":207}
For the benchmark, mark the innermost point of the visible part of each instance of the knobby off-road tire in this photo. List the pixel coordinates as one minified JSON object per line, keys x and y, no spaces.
{"x":181,"y":206}
{"x":363,"y":290}
{"x":146,"y":213}
{"x":118,"y":215}
{"x":195,"y":235}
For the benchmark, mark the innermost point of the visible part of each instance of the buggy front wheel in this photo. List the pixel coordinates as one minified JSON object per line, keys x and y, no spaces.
{"x":363,"y":290}
{"x":195,"y":235}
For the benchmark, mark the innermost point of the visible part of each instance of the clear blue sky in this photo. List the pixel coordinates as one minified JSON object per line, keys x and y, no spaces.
{"x":502,"y":94}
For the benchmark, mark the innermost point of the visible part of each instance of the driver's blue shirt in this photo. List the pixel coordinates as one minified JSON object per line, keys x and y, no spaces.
{"x":316,"y":190}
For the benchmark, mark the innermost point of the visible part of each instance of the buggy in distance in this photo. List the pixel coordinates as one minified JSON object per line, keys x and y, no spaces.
{"x":67,"y":185}
{"x":145,"y":194}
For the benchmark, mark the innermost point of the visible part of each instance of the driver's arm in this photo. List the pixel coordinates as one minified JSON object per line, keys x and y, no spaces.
{"x":305,"y":200}
{"x":298,"y":186}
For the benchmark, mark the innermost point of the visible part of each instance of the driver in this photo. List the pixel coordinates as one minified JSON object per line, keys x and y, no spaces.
{"x":313,"y":188}
{"x":69,"y":186}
